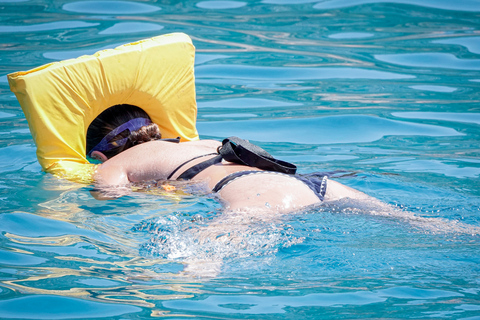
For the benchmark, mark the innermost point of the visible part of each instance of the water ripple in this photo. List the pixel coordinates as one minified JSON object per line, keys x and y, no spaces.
{"x":446,"y":168}
{"x":351,"y":35}
{"x":465,"y":5}
{"x":291,"y":73}
{"x":471,"y":43}
{"x":444,"y":116}
{"x":48,"y":26}
{"x":434,"y":88}
{"x":70,"y":54}
{"x":131,"y":27}
{"x":109,"y":7}
{"x":257,"y":304}
{"x":241,"y":103}
{"x":30,"y":307}
{"x":323,"y":130}
{"x":430,"y":60}
{"x":221,"y":4}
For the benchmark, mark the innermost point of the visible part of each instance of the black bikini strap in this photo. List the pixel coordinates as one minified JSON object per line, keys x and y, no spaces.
{"x":232,"y":176}
{"x":196,"y":169}
{"x":174,"y":140}
{"x":197,"y":157}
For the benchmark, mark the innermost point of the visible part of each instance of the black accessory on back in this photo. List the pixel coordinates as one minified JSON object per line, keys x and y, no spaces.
{"x":238,"y":151}
{"x":241,"y":151}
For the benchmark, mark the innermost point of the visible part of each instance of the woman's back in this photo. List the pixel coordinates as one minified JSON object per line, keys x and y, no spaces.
{"x":156,"y":160}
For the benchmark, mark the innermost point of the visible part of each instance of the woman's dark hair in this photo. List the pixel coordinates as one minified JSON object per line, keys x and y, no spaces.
{"x":114,"y":117}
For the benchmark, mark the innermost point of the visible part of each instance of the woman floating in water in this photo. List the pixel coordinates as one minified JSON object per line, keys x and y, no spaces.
{"x":131,"y":150}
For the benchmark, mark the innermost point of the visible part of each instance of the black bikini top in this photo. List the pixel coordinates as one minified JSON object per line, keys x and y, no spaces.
{"x":239,"y":151}
{"x":193,"y":171}
{"x":174,"y":140}
{"x":196,"y":169}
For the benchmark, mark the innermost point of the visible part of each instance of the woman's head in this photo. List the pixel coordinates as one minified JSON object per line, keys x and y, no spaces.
{"x":119,"y":128}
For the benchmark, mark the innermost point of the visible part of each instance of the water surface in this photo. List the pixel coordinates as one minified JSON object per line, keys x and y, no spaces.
{"x":381,"y":94}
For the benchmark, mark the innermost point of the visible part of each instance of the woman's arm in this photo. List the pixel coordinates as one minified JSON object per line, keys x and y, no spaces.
{"x":111,"y":181}
{"x":145,"y":162}
{"x":113,"y":177}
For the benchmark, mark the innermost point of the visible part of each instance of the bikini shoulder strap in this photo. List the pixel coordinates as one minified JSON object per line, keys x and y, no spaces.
{"x":196,"y":169}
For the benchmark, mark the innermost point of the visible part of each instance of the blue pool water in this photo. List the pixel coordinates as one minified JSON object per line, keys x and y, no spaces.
{"x":383,"y":94}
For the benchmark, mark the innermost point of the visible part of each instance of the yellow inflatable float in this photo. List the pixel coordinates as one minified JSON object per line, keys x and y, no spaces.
{"x":61,"y":99}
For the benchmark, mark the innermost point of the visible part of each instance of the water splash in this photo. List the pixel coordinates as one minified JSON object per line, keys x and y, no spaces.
{"x":202,"y":244}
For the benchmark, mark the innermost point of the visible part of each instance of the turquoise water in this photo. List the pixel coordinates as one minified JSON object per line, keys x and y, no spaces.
{"x":383,"y":94}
